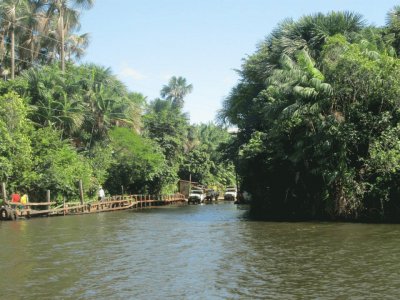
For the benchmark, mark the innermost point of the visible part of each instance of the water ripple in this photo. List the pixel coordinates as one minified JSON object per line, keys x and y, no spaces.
{"x":196,"y":252}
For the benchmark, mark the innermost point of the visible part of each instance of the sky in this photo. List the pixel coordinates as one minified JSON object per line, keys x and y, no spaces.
{"x":147,"y":42}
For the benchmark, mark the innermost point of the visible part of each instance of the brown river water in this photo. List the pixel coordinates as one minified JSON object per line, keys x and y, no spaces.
{"x":196,"y":252}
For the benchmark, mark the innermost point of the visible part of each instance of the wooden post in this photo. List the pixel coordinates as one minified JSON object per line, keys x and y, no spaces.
{"x":64,"y":204}
{"x":48,"y":199}
{"x":190,"y":184}
{"x":4,"y":191}
{"x":81,"y":191}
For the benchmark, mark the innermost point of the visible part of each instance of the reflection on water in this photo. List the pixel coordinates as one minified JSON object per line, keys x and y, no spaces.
{"x":196,"y":252}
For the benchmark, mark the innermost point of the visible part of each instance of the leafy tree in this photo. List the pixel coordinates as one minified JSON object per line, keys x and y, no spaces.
{"x":168,"y":127}
{"x":58,"y":167}
{"x":199,"y":166}
{"x":316,"y":105}
{"x":101,"y":160}
{"x":203,"y":160}
{"x":137,"y":163}
{"x":15,"y":148}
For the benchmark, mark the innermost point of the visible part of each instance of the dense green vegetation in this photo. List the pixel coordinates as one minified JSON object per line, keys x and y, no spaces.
{"x":318,"y":113}
{"x":61,"y":122}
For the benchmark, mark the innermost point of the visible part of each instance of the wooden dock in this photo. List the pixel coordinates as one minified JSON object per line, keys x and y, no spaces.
{"x":12,"y":211}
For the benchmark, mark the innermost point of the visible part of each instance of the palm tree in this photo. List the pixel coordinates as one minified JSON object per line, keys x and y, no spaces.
{"x":67,"y":19}
{"x":176,"y":90}
{"x":393,"y":26}
{"x":34,"y":25}
{"x":76,"y":45}
{"x":103,"y":97}
{"x":53,"y":103}
{"x":12,"y":12}
{"x":310,"y":33}
{"x":297,"y":88}
{"x":130,"y":111}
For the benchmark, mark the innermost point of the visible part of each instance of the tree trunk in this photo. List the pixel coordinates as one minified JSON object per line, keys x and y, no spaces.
{"x":62,"y":40}
{"x":12,"y":53}
{"x":32,"y":49}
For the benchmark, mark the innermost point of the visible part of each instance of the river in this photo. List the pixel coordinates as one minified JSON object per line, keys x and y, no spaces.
{"x":196,"y":252}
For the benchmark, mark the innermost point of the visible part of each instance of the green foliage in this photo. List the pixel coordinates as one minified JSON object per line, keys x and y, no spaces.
{"x":61,"y":124}
{"x":203,"y":161}
{"x":30,"y":32}
{"x":83,"y":124}
{"x":176,"y":90}
{"x":101,"y":159}
{"x":83,"y":103}
{"x":393,"y":27}
{"x":15,"y":148}
{"x":168,"y":127}
{"x":137,"y":162}
{"x":317,"y":112}
{"x":385,"y":152}
{"x":58,"y":167}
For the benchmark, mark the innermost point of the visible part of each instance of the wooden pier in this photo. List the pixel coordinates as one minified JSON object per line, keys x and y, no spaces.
{"x":14,"y":210}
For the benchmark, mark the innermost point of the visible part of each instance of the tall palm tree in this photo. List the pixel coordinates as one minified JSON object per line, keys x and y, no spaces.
{"x":176,"y":90}
{"x":12,"y":12}
{"x":66,"y":15}
{"x":34,"y":25}
{"x":53,"y":102}
{"x":310,"y":33}
{"x":297,"y":88}
{"x":103,"y":97}
{"x":393,"y":26}
{"x":130,"y":111}
{"x":76,"y":45}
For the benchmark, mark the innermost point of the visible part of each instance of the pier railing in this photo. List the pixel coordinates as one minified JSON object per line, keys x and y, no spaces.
{"x":13,"y":210}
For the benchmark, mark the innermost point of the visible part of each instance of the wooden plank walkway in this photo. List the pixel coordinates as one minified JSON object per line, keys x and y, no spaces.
{"x":13,"y":210}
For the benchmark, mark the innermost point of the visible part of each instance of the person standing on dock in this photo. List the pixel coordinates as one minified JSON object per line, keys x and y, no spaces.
{"x":24,"y":199}
{"x":15,"y":197}
{"x":102,"y":195}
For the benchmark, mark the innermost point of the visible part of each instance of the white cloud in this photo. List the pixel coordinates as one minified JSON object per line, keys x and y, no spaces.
{"x":131,"y":73}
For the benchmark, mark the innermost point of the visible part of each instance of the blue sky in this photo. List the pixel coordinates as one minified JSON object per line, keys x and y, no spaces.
{"x":146,"y":42}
